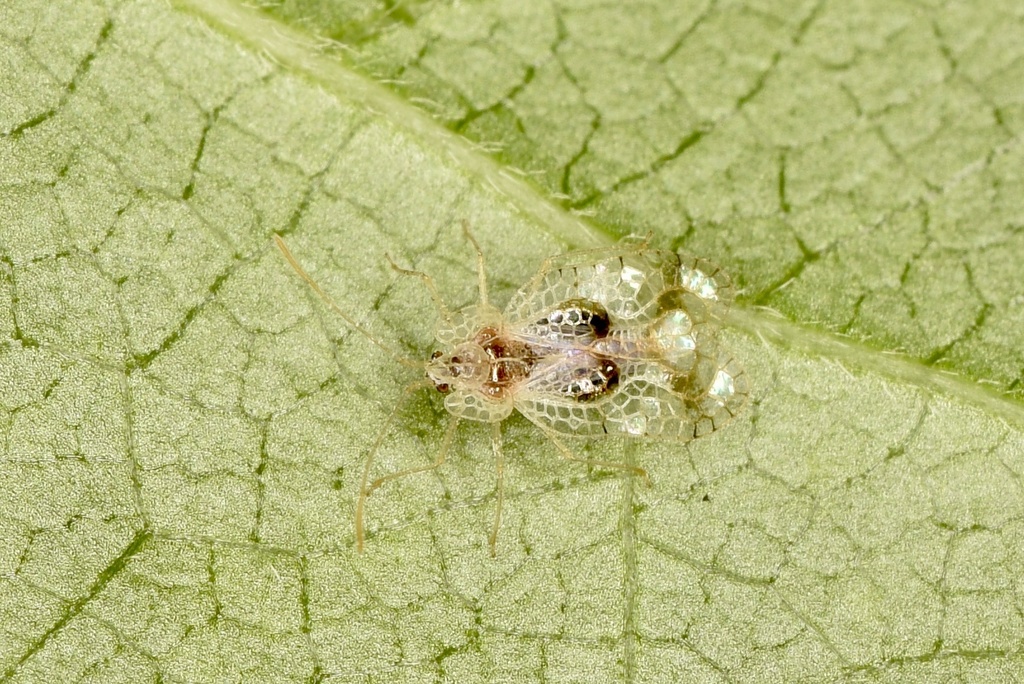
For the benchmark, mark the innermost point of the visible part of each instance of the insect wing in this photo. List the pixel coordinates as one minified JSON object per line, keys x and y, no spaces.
{"x":648,"y":401}
{"x":625,"y":281}
{"x":708,"y":281}
{"x":547,"y":399}
{"x":642,"y":404}
{"x":726,"y":393}
{"x":672,"y":379}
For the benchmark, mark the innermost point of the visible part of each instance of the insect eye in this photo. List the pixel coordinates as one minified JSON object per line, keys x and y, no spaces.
{"x":443,"y":388}
{"x":437,"y":354}
{"x":456,"y":359}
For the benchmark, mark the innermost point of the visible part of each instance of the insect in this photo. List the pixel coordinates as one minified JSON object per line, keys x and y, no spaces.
{"x":614,"y":341}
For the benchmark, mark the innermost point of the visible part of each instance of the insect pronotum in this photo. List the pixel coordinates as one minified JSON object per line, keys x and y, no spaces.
{"x":620,"y":340}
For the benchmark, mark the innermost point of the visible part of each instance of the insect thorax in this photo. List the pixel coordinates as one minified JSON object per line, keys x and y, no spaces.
{"x":483,"y":373}
{"x":491,"y":363}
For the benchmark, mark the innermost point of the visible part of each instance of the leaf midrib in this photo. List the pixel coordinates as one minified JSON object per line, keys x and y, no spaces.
{"x":297,"y":51}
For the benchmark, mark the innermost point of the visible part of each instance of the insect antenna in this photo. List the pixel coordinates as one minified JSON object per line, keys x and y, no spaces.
{"x":293,"y":262}
{"x":481,"y":273}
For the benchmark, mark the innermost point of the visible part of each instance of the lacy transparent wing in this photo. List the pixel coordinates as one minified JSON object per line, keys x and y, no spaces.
{"x":722,"y":389}
{"x":627,"y":280}
{"x":627,"y":344}
{"x":649,"y":400}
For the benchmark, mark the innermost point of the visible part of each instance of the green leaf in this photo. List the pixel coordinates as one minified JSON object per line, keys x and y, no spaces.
{"x":184,"y":425}
{"x":855,"y":165}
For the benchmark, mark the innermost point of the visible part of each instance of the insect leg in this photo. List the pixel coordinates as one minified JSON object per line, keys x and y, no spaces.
{"x":453,"y":423}
{"x":570,"y":456}
{"x":442,"y":308}
{"x":385,"y":428}
{"x":481,"y":273}
{"x":499,"y":464}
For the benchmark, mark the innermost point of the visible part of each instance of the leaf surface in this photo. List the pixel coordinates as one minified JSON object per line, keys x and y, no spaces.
{"x":184,"y":425}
